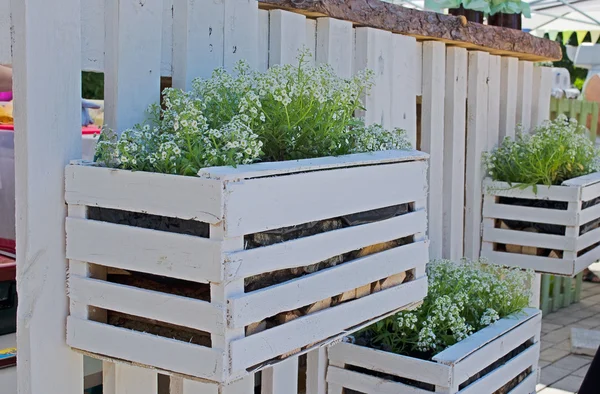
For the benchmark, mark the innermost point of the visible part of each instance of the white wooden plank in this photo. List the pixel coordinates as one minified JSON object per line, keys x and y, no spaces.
{"x":293,"y":199}
{"x":132,"y":54}
{"x":282,"y":378}
{"x":316,"y":371}
{"x":241,"y":32}
{"x":108,"y":377}
{"x":81,"y":268}
{"x":296,"y":293}
{"x":419,"y":69}
{"x":181,"y":385}
{"x":374,"y":52}
{"x":145,"y":349}
{"x":509,"y":73}
{"x":554,"y":193}
{"x":536,"y":263}
{"x":166,"y":61}
{"x":432,"y":137}
{"x":321,"y":325}
{"x":369,"y":384}
{"x":588,"y":239}
{"x":153,"y":193}
{"x":494,"y":76}
{"x":198,"y":29}
{"x":536,"y":288}
{"x":584,"y":181}
{"x":173,"y":309}
{"x":585,"y":260}
{"x":334,"y":40}
{"x":311,"y":40}
{"x":322,"y":163}
{"x":287,"y":36}
{"x":455,"y":108}
{"x":241,"y":386}
{"x":524,"y":95}
{"x":157,"y":252}
{"x":5,"y":40}
{"x":404,"y":96}
{"x":477,"y":124}
{"x":391,"y":363}
{"x":528,"y":214}
{"x":46,"y":46}
{"x":135,"y":380}
{"x":263,"y":40}
{"x":92,"y":35}
{"x":589,"y":214}
{"x":542,"y":90}
{"x":313,"y":249}
{"x":524,"y":238}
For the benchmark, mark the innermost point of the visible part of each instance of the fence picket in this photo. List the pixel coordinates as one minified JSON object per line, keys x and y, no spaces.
{"x":509,"y":72}
{"x":241,"y":32}
{"x":334,"y":38}
{"x":404,"y":95}
{"x":316,"y":370}
{"x":311,"y":39}
{"x":494,"y":103}
{"x":287,"y":36}
{"x":263,"y":40}
{"x":524,"y":95}
{"x":542,"y":88}
{"x":281,"y":378}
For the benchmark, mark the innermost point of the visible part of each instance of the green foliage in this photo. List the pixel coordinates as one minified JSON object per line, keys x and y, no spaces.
{"x":92,"y":85}
{"x":556,"y":151}
{"x":463,"y":298}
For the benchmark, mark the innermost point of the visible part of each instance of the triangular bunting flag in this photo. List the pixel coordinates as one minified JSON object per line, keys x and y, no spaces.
{"x":566,"y":35}
{"x":595,"y":36}
{"x":552,"y":35}
{"x":580,"y":36}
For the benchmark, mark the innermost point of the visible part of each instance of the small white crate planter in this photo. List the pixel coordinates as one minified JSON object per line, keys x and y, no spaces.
{"x":374,"y":371}
{"x":234,"y":202}
{"x":572,"y":205}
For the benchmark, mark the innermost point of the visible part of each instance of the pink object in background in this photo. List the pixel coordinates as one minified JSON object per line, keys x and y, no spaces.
{"x":6,"y":96}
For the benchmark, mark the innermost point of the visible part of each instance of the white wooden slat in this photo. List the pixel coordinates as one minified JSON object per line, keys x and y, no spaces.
{"x":313,"y":249}
{"x":81,"y":268}
{"x":145,"y":349}
{"x":588,"y":239}
{"x":374,"y":52}
{"x":542,"y":90}
{"x":419,"y":69}
{"x":287,"y":36}
{"x":263,"y":40}
{"x":132,"y":54}
{"x":584,"y":181}
{"x":502,"y":375}
{"x":554,"y":193}
{"x":241,"y":386}
{"x":46,"y":46}
{"x":241,"y":33}
{"x":404,"y":96}
{"x":181,"y":385}
{"x":477,"y":125}
{"x":527,"y":386}
{"x":166,"y":66}
{"x":5,"y":40}
{"x":282,"y":378}
{"x":432,"y":137}
{"x":509,"y":72}
{"x":494,"y":76}
{"x":156,"y":252}
{"x":316,"y":371}
{"x":391,"y":363}
{"x":311,"y":40}
{"x":369,"y":384}
{"x":585,"y":260}
{"x":305,"y":165}
{"x":198,"y":29}
{"x":294,"y":199}
{"x":455,"y":108}
{"x":536,"y":288}
{"x":334,"y":40}
{"x":528,"y":214}
{"x":173,"y":309}
{"x":589,"y":214}
{"x":525,"y":238}
{"x":536,"y":263}
{"x":590,"y":192}
{"x":108,"y":377}
{"x":323,"y":324}
{"x":296,"y":293}
{"x":153,"y":193}
{"x":135,"y":380}
{"x":524,"y":95}
{"x":92,"y":35}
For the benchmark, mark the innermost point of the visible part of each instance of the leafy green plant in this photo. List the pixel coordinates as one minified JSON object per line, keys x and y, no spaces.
{"x":475,"y":5}
{"x":463,"y":298}
{"x":510,"y":7}
{"x":289,"y":112}
{"x":555,"y":151}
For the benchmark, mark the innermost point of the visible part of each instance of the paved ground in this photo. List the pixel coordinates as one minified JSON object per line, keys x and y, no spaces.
{"x":562,"y":371}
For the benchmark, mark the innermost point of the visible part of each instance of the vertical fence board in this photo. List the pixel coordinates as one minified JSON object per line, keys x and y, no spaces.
{"x":542,"y":91}
{"x":419,"y":69}
{"x":524,"y":95}
{"x":281,"y":378}
{"x":455,"y":107}
{"x":166,"y":60}
{"x":241,"y":33}
{"x":263,"y":40}
{"x":134,"y":380}
{"x":432,"y":136}
{"x":242,"y":386}
{"x":133,"y":61}
{"x":404,"y":95}
{"x":198,"y":30}
{"x":5,"y":41}
{"x":494,"y":103}
{"x":373,"y":51}
{"x":287,"y":36}
{"x":334,"y":40}
{"x":92,"y":35}
{"x":311,"y":39}
{"x":316,"y":371}
{"x":509,"y":73}
{"x":477,"y":111}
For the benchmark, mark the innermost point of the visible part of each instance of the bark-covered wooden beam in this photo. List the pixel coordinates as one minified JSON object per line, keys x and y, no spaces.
{"x":426,"y":26}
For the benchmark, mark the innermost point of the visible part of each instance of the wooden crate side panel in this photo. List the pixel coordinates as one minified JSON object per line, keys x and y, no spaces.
{"x":153,"y":193}
{"x":367,"y":383}
{"x":584,"y":261}
{"x":145,"y":349}
{"x":536,"y":263}
{"x":586,"y":181}
{"x":554,"y":193}
{"x":310,"y":250}
{"x":293,"y":294}
{"x":327,"y":323}
{"x":287,"y":37}
{"x":588,"y":239}
{"x":495,"y":210}
{"x":156,"y":252}
{"x":261,"y":204}
{"x":524,"y":238}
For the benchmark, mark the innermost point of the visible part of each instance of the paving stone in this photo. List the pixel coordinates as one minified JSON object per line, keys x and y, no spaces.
{"x":570,"y":384}
{"x":564,"y":345}
{"x":557,"y":336}
{"x":549,"y":327}
{"x":572,"y":362}
{"x":552,"y":374}
{"x":583,"y":313}
{"x":589,"y":322}
{"x":546,"y":345}
{"x":581,"y":371}
{"x":542,"y":363}
{"x":563,"y":319}
{"x":553,"y":355}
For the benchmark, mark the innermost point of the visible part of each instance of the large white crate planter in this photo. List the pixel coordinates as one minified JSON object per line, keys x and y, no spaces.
{"x":177,"y":277}
{"x":554,"y":230}
{"x":503,"y":356}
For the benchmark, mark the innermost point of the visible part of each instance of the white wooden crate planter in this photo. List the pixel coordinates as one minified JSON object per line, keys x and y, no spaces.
{"x":555,"y":230}
{"x":178,"y":300}
{"x":503,"y":356}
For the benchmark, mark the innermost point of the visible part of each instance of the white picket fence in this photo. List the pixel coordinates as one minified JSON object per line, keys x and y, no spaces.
{"x":469,"y":100}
